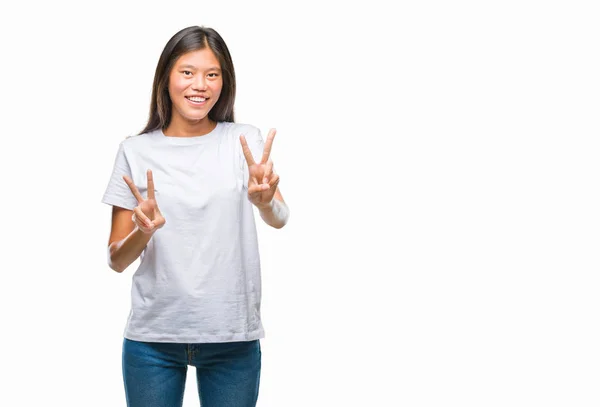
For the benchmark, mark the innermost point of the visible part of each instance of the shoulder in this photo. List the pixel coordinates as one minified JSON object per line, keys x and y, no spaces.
{"x":137,"y":141}
{"x":237,"y":129}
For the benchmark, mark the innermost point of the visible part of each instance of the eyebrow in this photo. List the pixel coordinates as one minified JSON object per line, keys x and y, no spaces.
{"x":212,"y":68}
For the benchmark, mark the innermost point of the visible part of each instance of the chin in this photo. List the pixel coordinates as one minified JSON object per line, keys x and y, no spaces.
{"x":193,"y":116}
{"x":197,"y":119}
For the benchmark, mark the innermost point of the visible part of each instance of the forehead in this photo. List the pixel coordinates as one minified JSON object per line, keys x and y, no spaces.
{"x":201,"y":59}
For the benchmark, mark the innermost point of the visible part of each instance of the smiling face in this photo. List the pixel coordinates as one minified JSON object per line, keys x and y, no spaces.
{"x":195,"y":84}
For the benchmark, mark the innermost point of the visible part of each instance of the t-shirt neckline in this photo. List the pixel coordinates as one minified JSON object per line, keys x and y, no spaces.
{"x":191,"y":139}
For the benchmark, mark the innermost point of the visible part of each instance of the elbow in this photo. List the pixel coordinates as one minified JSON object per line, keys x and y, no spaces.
{"x":282,"y":223}
{"x":285,"y":219}
{"x":116,"y":268}
{"x":284,"y":215}
{"x":276,"y":215}
{"x":112,"y":262}
{"x":279,"y":225}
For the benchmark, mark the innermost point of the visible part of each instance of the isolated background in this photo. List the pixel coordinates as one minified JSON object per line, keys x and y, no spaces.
{"x":440,"y":161}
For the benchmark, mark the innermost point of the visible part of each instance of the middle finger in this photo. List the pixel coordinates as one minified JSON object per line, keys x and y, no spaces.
{"x":133,"y":189}
{"x":268,"y":146}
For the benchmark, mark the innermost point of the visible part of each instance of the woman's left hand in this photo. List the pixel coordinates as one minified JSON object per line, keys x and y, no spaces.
{"x":262,"y":182}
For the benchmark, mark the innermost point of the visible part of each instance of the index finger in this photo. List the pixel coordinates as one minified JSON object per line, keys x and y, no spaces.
{"x":134,"y":189}
{"x":268,"y":145}
{"x":246,"y":150}
{"x":150,"y":184}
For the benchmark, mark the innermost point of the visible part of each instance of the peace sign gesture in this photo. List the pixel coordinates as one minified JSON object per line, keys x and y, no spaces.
{"x":146,"y":215}
{"x":262,"y":182}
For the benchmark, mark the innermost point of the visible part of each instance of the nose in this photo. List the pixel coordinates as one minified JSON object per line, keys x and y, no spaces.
{"x":199,"y":83}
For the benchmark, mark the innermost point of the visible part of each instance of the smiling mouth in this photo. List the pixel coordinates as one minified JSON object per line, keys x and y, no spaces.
{"x":196,"y":99}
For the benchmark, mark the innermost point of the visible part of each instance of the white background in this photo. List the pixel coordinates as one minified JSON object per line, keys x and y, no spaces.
{"x":440,"y":161}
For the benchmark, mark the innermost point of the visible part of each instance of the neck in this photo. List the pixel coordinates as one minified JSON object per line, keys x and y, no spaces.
{"x":183,"y":128}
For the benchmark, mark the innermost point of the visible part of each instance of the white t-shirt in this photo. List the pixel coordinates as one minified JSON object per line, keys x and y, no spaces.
{"x":199,"y":276}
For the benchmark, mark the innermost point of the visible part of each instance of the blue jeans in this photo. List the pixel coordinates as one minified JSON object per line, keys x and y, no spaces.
{"x":227,"y":374}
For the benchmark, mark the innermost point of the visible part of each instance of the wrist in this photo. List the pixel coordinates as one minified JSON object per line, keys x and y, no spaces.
{"x":266,"y":206}
{"x":144,"y":232}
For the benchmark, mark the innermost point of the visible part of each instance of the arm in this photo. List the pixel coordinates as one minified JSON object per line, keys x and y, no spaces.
{"x":263,"y":191}
{"x":276,"y":213}
{"x":126,"y":241}
{"x":132,"y":229}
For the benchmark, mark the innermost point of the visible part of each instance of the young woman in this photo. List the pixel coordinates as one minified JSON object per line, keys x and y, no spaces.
{"x":182,"y":193}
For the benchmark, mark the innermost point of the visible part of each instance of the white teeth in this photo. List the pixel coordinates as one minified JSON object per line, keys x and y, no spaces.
{"x":196,"y":99}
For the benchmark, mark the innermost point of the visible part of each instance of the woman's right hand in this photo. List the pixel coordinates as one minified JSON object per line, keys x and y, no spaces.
{"x":146,"y":215}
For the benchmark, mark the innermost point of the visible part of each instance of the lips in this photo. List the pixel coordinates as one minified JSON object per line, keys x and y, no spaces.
{"x":196,"y":99}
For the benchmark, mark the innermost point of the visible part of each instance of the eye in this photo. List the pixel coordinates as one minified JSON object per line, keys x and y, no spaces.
{"x":213,"y":75}
{"x":187,"y":73}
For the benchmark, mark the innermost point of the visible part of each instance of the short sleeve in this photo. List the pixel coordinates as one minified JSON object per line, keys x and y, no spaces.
{"x":256,"y":145}
{"x":117,"y":192}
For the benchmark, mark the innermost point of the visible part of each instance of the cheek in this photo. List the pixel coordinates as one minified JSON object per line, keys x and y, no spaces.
{"x":216,"y":90}
{"x":177,"y":85}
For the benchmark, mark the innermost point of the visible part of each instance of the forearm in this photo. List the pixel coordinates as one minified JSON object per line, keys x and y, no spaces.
{"x":124,"y":252}
{"x":275,"y":214}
